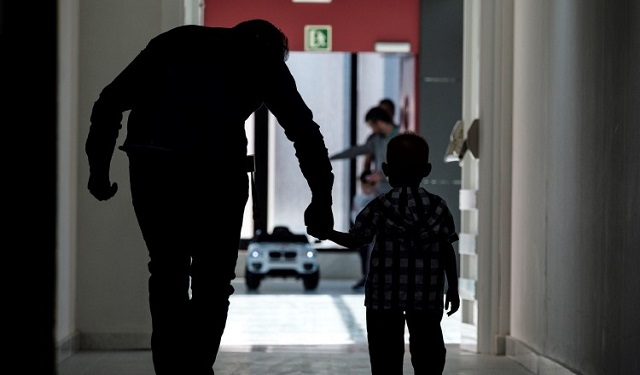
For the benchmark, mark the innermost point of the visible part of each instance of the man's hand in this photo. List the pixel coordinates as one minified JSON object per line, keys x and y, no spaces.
{"x":452,"y":301}
{"x":101,"y":188}
{"x":320,"y":234}
{"x":318,"y":218}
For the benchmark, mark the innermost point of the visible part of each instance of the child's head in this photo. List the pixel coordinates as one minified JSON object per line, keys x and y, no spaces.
{"x":407,"y":160}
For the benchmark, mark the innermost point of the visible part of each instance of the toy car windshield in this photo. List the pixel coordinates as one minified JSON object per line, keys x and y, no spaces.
{"x":280,"y":234}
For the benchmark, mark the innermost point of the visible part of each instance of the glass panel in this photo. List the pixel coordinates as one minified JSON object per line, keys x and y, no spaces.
{"x":323,"y":80}
{"x":380,"y":76}
{"x":247,"y":221}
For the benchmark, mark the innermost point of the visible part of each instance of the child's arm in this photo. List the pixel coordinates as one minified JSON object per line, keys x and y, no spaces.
{"x":452,"y":299}
{"x":341,"y":238}
{"x":345,"y":239}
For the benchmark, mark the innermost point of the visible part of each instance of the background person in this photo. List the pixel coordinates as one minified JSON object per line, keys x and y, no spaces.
{"x":360,"y":200}
{"x":383,"y":129}
{"x":389,"y":106}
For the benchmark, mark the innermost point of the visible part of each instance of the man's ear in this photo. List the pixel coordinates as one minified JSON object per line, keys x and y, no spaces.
{"x":427,"y":170}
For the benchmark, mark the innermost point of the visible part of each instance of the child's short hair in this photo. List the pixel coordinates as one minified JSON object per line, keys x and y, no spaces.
{"x":408,"y":149}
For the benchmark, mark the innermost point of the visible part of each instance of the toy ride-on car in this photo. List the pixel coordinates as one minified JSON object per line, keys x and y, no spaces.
{"x":281,"y":254}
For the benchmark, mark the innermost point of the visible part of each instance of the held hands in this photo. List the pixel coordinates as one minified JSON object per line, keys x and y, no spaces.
{"x":318,"y":233}
{"x":452,"y":301}
{"x":318,"y":218}
{"x":101,"y":188}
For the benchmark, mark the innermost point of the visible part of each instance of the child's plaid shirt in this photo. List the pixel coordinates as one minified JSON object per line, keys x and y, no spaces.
{"x":406,"y":269}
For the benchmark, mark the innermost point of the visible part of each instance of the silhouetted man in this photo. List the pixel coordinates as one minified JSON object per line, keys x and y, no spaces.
{"x":189,"y":93}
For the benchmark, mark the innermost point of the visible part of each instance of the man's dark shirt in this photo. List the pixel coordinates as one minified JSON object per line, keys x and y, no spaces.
{"x":191,"y":90}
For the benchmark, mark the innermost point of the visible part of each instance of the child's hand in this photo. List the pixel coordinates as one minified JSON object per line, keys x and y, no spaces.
{"x":452,"y":301}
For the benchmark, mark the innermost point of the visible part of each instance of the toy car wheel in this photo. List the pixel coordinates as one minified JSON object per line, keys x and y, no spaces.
{"x":251,"y":279}
{"x":311,"y":280}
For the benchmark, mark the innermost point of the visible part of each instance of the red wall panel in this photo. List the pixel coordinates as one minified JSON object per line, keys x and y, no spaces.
{"x":356,"y":24}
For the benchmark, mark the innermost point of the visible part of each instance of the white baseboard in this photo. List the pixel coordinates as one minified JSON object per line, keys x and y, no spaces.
{"x":66,"y":347}
{"x":533,"y":361}
{"x":115,"y":341}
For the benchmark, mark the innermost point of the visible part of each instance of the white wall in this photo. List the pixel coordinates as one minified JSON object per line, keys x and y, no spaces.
{"x":67,"y":175}
{"x":575,"y":256}
{"x":111,"y":255}
{"x":530,"y":153}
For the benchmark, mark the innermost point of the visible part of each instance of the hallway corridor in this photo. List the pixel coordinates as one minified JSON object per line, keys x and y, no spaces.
{"x":281,"y":329}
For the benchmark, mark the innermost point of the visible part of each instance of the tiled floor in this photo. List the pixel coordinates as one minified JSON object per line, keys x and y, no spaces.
{"x":281,"y":329}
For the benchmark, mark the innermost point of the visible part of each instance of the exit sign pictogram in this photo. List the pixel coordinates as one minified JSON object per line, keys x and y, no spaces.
{"x":317,"y":38}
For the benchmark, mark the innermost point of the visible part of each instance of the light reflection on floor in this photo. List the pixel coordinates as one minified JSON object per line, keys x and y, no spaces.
{"x":284,"y":314}
{"x":284,"y":330}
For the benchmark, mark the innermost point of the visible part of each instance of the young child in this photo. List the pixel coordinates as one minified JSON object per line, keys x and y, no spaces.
{"x":366,"y":195}
{"x":412,"y":253}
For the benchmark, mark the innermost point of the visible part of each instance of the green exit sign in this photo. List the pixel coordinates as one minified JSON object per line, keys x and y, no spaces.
{"x":317,"y":38}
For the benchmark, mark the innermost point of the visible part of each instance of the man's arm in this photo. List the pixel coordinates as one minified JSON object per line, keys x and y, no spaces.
{"x":99,"y":148}
{"x":100,"y":145}
{"x":106,"y":122}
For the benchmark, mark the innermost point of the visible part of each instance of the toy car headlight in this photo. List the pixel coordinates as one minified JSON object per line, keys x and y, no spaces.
{"x":255,"y":253}
{"x":311,"y":254}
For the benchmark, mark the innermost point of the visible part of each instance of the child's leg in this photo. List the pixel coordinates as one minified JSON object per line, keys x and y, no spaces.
{"x":426,"y":343}
{"x":385,"y":333}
